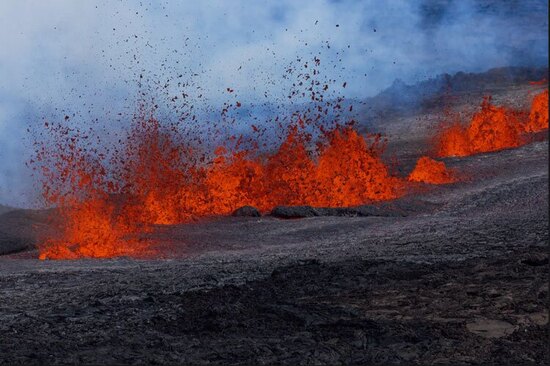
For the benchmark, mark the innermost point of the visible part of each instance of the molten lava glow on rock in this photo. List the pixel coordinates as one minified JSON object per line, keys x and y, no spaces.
{"x":493,"y":128}
{"x":158,"y":180}
{"x":538,"y":117}
{"x":345,"y":171}
{"x":431,"y":171}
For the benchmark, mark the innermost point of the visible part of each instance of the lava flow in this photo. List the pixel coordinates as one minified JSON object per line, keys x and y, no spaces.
{"x":493,"y":128}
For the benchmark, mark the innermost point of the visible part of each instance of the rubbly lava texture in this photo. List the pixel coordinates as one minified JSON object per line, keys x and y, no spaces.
{"x":155,"y":178}
{"x":493,"y":128}
{"x":431,"y":171}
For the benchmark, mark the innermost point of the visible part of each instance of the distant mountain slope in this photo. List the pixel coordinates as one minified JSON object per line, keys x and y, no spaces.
{"x":4,"y":209}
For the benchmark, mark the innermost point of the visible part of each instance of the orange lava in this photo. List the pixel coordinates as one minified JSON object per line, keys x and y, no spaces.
{"x":108,"y":198}
{"x":538,"y":116}
{"x":431,"y":171}
{"x":155,"y":179}
{"x":493,"y":128}
{"x":87,"y":220}
{"x":89,"y":230}
{"x":345,"y":171}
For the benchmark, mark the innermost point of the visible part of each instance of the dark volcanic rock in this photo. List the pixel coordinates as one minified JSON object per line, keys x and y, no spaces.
{"x":344,"y":312}
{"x":12,"y":245}
{"x":536,"y":260}
{"x":4,"y":209}
{"x":397,"y":208}
{"x":19,"y":228}
{"x":294,"y":212}
{"x":247,"y":211}
{"x":365,"y":210}
{"x":339,"y":211}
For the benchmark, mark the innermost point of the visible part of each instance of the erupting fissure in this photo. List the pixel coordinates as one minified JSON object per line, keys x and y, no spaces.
{"x":108,"y":198}
{"x":159,"y":180}
{"x":493,"y":128}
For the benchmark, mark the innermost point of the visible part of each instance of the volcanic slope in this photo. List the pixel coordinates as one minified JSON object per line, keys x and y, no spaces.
{"x":460,"y":275}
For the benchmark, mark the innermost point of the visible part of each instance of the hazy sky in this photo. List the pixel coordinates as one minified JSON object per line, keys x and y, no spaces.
{"x":62,"y":57}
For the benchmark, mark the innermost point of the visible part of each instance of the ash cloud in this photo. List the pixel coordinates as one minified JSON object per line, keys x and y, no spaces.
{"x":84,"y":59}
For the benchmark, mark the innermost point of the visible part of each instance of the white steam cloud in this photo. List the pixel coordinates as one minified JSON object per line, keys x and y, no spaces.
{"x":60,"y":57}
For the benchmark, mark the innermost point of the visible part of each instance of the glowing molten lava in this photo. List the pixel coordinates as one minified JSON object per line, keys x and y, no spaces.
{"x":493,"y":128}
{"x":87,"y":220}
{"x":538,"y":117}
{"x":108,"y":197}
{"x":345,"y":171}
{"x":90,"y":230}
{"x":153,"y":178}
{"x":431,"y":171}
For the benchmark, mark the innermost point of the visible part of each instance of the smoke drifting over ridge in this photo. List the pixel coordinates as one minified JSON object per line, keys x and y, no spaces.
{"x":84,"y":60}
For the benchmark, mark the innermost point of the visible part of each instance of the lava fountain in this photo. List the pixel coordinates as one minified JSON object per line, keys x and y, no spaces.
{"x":493,"y":128}
{"x":105,"y":203}
{"x":538,"y":116}
{"x":428,"y":170}
{"x":108,"y":197}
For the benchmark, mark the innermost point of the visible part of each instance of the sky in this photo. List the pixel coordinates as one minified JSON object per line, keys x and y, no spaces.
{"x":87,"y":58}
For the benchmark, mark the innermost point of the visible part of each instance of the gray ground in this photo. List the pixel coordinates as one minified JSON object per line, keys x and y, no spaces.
{"x":460,"y":276}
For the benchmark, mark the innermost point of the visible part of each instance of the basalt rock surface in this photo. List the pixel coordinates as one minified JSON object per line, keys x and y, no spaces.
{"x":247,"y":211}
